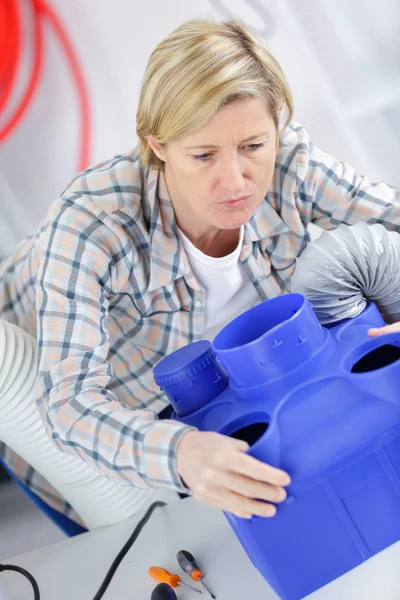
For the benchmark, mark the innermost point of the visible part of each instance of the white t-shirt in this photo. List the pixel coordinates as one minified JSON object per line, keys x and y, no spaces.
{"x":229,"y":291}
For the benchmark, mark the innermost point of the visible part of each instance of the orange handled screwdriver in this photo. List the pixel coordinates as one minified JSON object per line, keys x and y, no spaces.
{"x":187,"y":563}
{"x":165,"y":576}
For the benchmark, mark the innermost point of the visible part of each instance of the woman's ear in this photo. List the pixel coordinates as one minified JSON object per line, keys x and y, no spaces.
{"x":157,"y":148}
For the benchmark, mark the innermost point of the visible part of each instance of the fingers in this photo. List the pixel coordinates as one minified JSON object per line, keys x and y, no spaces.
{"x":252,"y":489}
{"x":255,"y":469}
{"x":239,"y":445}
{"x":218,"y":472}
{"x":375,"y":331}
{"x":236,"y":504}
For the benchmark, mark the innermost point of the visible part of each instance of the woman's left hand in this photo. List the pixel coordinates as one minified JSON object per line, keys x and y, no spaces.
{"x":381,"y":330}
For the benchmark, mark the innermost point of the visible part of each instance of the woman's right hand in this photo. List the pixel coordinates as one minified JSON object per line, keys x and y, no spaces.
{"x":218,"y":472}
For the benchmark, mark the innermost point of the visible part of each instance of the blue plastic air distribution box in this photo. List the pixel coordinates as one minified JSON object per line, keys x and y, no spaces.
{"x":322,"y":404}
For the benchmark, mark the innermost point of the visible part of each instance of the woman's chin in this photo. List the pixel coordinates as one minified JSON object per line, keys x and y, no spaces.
{"x":233,"y":218}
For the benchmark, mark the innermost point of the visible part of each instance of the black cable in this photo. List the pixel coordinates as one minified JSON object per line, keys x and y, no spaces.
{"x":126,"y":547}
{"x":32,"y":580}
{"x":114,"y":565}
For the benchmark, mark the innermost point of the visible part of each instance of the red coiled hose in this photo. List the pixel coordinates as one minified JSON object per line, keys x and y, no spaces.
{"x":11,"y":47}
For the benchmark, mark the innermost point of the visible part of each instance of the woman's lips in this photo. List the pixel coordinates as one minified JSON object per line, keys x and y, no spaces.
{"x":238,"y":203}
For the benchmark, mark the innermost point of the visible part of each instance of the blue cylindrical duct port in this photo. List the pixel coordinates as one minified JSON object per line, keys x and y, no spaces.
{"x":269,"y":340}
{"x":253,"y":429}
{"x":248,"y":429}
{"x":191,"y":377}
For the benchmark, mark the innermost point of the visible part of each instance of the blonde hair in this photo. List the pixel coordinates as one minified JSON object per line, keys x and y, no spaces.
{"x":201,"y":66}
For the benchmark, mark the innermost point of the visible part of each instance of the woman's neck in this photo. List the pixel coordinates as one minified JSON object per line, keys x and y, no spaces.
{"x":214,"y":242}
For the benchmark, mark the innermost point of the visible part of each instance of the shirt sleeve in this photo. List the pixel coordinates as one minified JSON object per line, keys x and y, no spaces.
{"x":331,"y":192}
{"x":79,"y":256}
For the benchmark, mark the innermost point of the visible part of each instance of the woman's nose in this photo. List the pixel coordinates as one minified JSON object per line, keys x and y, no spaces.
{"x":231,"y":177}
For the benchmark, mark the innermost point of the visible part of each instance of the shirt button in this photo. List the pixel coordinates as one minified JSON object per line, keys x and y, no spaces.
{"x":198,"y":304}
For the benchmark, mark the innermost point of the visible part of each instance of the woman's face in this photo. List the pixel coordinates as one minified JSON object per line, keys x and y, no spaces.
{"x":218,"y":176}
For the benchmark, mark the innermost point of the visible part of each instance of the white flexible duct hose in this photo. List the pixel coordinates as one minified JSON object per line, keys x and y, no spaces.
{"x":345,"y":268}
{"x":96,"y":499}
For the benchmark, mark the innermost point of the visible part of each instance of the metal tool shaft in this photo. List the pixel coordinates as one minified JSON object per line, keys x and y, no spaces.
{"x":190,"y":587}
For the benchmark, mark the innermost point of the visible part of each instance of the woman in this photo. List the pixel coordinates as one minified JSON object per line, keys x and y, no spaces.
{"x":161,"y":247}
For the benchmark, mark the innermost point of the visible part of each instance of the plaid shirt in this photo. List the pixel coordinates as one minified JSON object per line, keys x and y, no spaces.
{"x":106,"y":288}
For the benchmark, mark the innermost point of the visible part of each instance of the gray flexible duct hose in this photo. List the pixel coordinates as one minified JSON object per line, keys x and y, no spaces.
{"x":96,"y":499}
{"x":344,"y":269}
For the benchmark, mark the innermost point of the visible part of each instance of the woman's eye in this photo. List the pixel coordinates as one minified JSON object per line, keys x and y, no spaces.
{"x":208,"y":155}
{"x":202,"y":157}
{"x":253,"y":147}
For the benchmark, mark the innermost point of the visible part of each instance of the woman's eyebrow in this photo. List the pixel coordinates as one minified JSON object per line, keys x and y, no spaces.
{"x":252,"y":137}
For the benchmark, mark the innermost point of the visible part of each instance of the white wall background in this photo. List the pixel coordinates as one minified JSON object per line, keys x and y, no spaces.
{"x":341,"y":57}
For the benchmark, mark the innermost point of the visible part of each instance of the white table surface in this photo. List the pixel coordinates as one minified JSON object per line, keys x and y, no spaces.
{"x":73,"y":569}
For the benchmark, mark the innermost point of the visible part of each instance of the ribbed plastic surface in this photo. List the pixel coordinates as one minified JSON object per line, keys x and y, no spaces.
{"x":324,"y":405}
{"x":193,"y":368}
{"x":95,"y":498}
{"x":345,"y":268}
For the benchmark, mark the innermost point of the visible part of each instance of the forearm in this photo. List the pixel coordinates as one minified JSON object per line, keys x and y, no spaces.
{"x":130,"y":446}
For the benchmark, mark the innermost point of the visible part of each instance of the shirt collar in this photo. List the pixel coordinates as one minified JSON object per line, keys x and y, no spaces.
{"x":265,"y":223}
{"x":168,"y":262}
